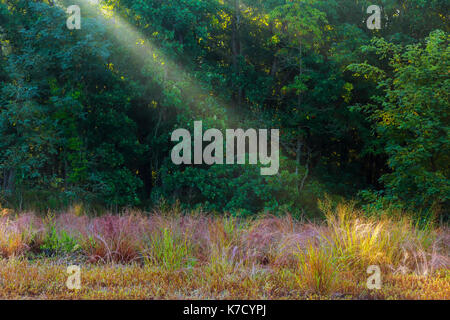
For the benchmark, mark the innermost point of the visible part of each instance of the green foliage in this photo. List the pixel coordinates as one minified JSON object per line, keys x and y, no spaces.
{"x":86,"y":115}
{"x":170,"y":251}
{"x":412,"y":119}
{"x":59,"y":242}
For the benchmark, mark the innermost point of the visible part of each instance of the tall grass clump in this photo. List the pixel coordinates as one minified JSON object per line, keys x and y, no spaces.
{"x":168,"y":250}
{"x":226,"y":251}
{"x":317,"y":269}
{"x":12,"y":241}
{"x":19,"y":235}
{"x":114,"y":238}
{"x":394,"y":244}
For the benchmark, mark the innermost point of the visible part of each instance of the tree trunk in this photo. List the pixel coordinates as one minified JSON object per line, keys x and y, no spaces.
{"x":298,"y":154}
{"x":9,"y":180}
{"x":299,"y":138}
{"x":236,"y":50}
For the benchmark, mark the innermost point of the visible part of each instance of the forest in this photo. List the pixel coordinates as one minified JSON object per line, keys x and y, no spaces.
{"x":90,"y":98}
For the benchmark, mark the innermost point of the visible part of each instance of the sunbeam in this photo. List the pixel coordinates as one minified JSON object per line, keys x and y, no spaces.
{"x":170,"y":74}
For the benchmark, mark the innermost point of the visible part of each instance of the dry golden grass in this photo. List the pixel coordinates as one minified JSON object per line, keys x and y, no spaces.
{"x":155,"y":256}
{"x":22,"y":279}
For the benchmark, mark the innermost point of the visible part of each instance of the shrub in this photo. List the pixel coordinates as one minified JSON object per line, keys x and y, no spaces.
{"x":59,"y":242}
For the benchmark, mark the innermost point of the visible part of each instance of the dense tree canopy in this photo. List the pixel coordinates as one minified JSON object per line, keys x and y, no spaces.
{"x":86,"y":115}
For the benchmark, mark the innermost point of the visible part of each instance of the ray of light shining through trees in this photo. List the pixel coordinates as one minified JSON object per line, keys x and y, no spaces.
{"x":148,"y":54}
